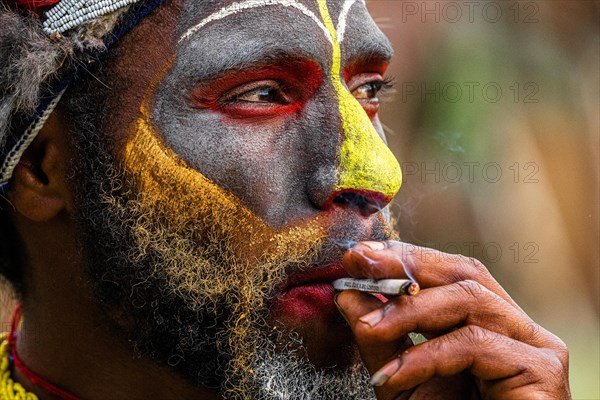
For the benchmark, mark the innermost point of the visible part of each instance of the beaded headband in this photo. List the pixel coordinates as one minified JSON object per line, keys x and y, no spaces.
{"x":70,"y":13}
{"x":61,"y":17}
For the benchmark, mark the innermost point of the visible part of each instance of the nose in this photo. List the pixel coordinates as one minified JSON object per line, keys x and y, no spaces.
{"x":367,"y":175}
{"x":366,"y":164}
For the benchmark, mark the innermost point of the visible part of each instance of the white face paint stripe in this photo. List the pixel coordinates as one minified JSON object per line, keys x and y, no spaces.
{"x":237,"y":7}
{"x":341,"y":25}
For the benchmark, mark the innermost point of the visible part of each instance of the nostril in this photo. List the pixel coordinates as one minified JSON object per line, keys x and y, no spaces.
{"x":365,"y":202}
{"x":350,"y":199}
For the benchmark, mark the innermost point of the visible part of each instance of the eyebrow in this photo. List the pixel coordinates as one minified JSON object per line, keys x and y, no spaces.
{"x":248,"y":4}
{"x":215,"y":64}
{"x":250,"y":59}
{"x":371,"y":49}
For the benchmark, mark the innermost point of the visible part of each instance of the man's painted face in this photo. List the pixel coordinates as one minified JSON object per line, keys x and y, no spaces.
{"x":256,"y":155}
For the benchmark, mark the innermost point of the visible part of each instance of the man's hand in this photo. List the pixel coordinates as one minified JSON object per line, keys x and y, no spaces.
{"x":480,"y":343}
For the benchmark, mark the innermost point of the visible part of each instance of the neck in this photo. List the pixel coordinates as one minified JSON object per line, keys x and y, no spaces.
{"x":85,"y":358}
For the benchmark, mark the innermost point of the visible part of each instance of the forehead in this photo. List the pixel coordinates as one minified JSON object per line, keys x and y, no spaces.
{"x":219,"y":28}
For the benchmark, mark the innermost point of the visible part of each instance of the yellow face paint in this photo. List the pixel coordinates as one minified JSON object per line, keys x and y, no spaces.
{"x":366,"y":163}
{"x":167,"y":180}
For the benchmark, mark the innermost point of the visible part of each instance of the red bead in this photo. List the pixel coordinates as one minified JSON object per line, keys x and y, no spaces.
{"x":37,"y":6}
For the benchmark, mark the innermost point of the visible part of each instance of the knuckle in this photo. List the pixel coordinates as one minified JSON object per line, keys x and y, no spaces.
{"x":553,"y":344}
{"x":401,"y":248}
{"x":437,"y":346}
{"x":552,"y":363}
{"x":471,"y":288}
{"x":475,"y":265}
{"x":545,"y":367}
{"x":468,"y":268}
{"x":561,"y":350}
{"x":533,"y":331}
{"x":563,"y":354}
{"x":476,"y":336}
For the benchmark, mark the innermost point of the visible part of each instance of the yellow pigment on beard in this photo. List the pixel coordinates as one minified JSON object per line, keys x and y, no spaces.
{"x":254,"y":255}
{"x":167,"y":183}
{"x":189,"y":195}
{"x":366,"y":162}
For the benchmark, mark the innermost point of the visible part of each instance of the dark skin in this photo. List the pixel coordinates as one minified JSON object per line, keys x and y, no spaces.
{"x":78,"y":349}
{"x":472,"y":324}
{"x":481,"y":344}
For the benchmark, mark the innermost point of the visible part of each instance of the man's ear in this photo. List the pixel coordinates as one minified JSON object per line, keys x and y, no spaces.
{"x":39,"y":189}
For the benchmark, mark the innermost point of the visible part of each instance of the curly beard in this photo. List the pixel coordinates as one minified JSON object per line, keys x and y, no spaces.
{"x":187,"y":272}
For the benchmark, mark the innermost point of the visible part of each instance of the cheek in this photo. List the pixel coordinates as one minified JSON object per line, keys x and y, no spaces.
{"x":263,"y":161}
{"x":265,"y":166}
{"x":189,"y":199}
{"x":251,"y":149}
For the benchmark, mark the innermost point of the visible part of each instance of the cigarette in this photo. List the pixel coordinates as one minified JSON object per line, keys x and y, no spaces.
{"x":392,"y":287}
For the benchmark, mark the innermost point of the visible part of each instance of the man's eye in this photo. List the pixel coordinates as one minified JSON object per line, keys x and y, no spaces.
{"x":369,"y":91}
{"x":262,"y":94}
{"x":261,"y":98}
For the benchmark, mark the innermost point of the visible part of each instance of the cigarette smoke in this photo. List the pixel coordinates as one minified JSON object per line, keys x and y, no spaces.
{"x":405,"y":258}
{"x":344,"y":243}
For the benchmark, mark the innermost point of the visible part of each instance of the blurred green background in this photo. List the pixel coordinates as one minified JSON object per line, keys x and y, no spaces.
{"x":495,"y":119}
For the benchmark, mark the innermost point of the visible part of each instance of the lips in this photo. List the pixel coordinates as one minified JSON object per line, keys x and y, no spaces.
{"x":316,"y":276}
{"x":308,"y":296}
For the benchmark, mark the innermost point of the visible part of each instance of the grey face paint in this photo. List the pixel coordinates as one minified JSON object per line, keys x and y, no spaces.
{"x":281,"y":164}
{"x":251,"y":106}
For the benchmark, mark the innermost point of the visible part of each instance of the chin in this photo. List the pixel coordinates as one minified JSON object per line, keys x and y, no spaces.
{"x":308,"y":312}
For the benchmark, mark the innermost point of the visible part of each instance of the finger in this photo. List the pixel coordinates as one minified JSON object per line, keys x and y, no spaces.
{"x":429,"y":267}
{"x":487,"y":355}
{"x":447,"y":307}
{"x":353,"y":305}
{"x":458,"y":387}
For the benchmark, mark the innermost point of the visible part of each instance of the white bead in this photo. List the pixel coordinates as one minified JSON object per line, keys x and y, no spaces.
{"x":70,"y":13}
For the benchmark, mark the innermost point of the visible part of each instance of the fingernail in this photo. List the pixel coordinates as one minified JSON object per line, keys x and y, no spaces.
{"x":335,"y":301}
{"x":380,"y":377}
{"x":372,"y":318}
{"x":374,"y":246}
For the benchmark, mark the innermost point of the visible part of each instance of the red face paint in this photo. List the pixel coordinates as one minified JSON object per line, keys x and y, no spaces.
{"x":309,"y":294}
{"x":365,"y":65}
{"x":285,"y":88}
{"x":35,"y":6}
{"x":363,"y":71}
